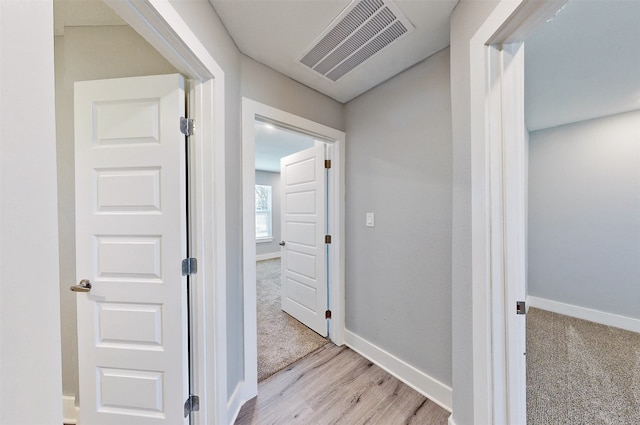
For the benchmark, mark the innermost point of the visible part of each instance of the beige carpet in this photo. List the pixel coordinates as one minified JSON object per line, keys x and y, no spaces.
{"x":281,"y":339}
{"x":580,"y":372}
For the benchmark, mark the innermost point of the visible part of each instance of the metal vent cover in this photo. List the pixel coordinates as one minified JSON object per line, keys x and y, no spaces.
{"x":363,"y":29}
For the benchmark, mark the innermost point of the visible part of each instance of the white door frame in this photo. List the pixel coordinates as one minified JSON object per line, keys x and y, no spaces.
{"x":161,"y":25}
{"x":498,"y":207}
{"x":250,"y":111}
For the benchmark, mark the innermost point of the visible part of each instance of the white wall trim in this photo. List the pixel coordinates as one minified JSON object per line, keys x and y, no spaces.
{"x":431,"y":388}
{"x":70,"y":412}
{"x":268,"y":256}
{"x":584,"y":313}
{"x":451,"y":421}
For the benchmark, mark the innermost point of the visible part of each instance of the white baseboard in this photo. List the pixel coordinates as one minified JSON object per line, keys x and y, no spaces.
{"x":609,"y":319}
{"x":269,"y":256}
{"x":431,"y":388}
{"x":69,"y":410}
{"x":235,"y":404}
{"x":238,"y":399}
{"x":450,"y":421}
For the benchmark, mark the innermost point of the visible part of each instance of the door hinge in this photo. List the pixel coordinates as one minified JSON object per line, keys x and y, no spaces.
{"x":186,"y":126}
{"x":327,"y":314}
{"x":327,"y":163}
{"x":327,"y":239}
{"x":189,"y":266}
{"x":521,"y":307}
{"x":191,"y":405}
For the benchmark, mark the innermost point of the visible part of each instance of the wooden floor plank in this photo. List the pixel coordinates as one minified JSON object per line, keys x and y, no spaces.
{"x":336,"y":386}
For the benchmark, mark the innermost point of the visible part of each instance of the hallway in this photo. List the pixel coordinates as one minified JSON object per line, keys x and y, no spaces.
{"x":335,"y":385}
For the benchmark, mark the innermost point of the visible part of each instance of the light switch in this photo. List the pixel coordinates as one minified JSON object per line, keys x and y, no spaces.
{"x":370,"y":220}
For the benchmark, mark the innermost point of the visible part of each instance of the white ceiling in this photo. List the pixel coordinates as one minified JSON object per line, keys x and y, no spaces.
{"x":273,"y":143}
{"x":277,"y":33}
{"x":584,"y":64}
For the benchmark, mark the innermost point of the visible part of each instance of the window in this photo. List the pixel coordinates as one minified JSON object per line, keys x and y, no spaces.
{"x":263,"y":213}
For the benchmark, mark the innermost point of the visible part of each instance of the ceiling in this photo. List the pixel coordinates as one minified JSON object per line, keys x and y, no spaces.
{"x":273,"y":143}
{"x":277,"y":33}
{"x":583,"y":64}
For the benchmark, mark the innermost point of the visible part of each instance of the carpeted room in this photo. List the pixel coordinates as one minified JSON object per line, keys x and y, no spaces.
{"x":281,"y":339}
{"x":584,"y":245}
{"x":583,"y":345}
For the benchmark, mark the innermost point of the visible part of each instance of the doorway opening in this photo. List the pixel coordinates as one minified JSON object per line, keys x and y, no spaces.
{"x":498,"y":173}
{"x":498,"y":140}
{"x":282,"y":335}
{"x":583,"y":215}
{"x":310,"y":245}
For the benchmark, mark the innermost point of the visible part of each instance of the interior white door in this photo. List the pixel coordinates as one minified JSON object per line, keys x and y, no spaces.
{"x":131,"y":238}
{"x":304,"y":259}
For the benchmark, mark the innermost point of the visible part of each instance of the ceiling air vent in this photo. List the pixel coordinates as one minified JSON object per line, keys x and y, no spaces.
{"x":363,"y":29}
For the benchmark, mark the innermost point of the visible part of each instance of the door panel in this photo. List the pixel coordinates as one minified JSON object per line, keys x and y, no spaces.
{"x":130,"y":241}
{"x":304,"y":262}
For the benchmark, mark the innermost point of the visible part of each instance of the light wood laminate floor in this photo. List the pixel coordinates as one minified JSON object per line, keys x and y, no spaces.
{"x":335,"y":385}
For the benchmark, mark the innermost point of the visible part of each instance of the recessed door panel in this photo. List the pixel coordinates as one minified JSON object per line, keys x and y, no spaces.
{"x":302,"y":202}
{"x":302,"y":264}
{"x":126,"y":121}
{"x":142,"y":194}
{"x":131,"y":392}
{"x":302,"y":233}
{"x":301,"y":171}
{"x":300,"y":294}
{"x":133,"y":257}
{"x":135,"y":326}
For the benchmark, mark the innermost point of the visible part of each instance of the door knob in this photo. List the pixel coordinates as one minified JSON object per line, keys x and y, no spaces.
{"x":282,"y":243}
{"x":83,"y":286}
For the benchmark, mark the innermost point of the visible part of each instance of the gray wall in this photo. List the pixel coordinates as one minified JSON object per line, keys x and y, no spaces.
{"x":584,"y":214}
{"x":271,"y":179}
{"x":265,"y":85}
{"x":86,"y":53}
{"x":466,"y":19}
{"x":398,"y":274}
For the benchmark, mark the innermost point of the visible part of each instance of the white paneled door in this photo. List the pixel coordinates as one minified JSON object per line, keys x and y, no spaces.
{"x":304,"y":259}
{"x":131,"y":237}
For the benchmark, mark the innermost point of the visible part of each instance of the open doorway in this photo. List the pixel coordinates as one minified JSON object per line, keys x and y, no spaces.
{"x":319,"y":235}
{"x":498,"y":135}
{"x":582,"y":114}
{"x":282,"y":339}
